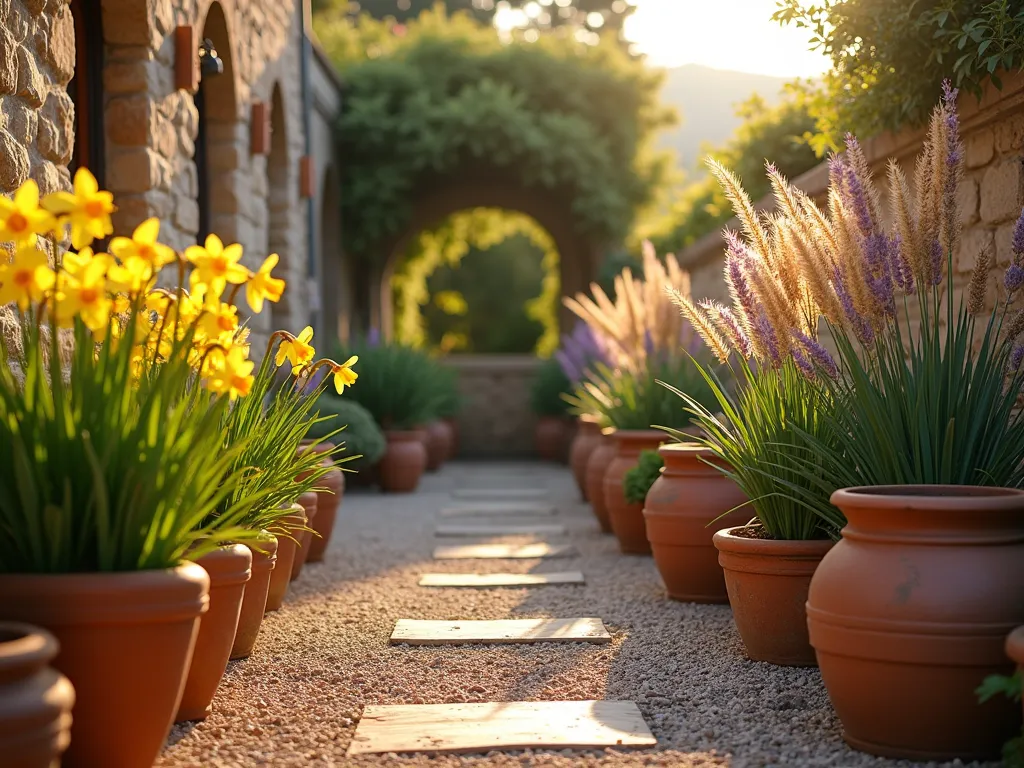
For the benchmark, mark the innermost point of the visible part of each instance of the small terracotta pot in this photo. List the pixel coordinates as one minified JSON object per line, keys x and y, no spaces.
{"x":403,"y":462}
{"x":254,"y":597}
{"x":229,"y":568}
{"x":453,"y":423}
{"x":35,"y":700}
{"x":439,"y":444}
{"x":287,"y":530}
{"x":588,"y":436}
{"x":628,"y":519}
{"x":1015,"y":650}
{"x":597,"y":465}
{"x":767,"y":580}
{"x":126,"y":640}
{"x":310,"y":502}
{"x":550,"y":437}
{"x":327,"y":504}
{"x":684,"y":508}
{"x":909,"y":612}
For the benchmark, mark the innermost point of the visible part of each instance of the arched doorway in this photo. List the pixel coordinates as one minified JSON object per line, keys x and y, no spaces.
{"x":335,"y":283}
{"x":86,"y":90}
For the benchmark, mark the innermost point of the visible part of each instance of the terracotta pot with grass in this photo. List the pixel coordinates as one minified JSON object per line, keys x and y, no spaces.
{"x":404,"y":461}
{"x":126,"y":640}
{"x":310,"y":503}
{"x":439,"y":444}
{"x":909,"y":613}
{"x":597,"y":465}
{"x":229,"y":568}
{"x":627,"y":519}
{"x":588,"y":436}
{"x":328,"y":502}
{"x":35,"y":699}
{"x":254,"y":597}
{"x":288,"y":530}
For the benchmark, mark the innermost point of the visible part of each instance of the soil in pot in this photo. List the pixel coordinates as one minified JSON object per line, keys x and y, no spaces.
{"x":909,"y":612}
{"x":588,"y":435}
{"x":229,"y":568}
{"x":288,"y":530}
{"x":550,"y":437}
{"x":310,"y":502}
{"x":254,"y":596}
{"x":684,"y":508}
{"x":35,"y":699}
{"x":126,"y":640}
{"x":767,"y":580}
{"x":597,"y":465}
{"x":439,"y":444}
{"x":627,"y":519}
{"x":327,"y":504}
{"x":403,"y":462}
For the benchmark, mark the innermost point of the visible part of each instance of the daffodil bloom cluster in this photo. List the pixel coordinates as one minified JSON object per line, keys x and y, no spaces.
{"x":114,"y":293}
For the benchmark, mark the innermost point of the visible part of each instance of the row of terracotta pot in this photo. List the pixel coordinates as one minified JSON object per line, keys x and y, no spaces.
{"x":553,"y":437}
{"x":141,"y":649}
{"x":412,"y":452}
{"x":901,"y":643}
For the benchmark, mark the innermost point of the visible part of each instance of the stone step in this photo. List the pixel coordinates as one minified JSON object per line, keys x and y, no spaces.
{"x":501,"y":631}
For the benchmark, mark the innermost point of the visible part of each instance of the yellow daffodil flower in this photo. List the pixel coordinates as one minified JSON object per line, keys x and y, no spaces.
{"x":25,"y":277}
{"x":219,"y":321}
{"x":230,"y":373}
{"x":344,"y":376}
{"x":297,"y":351}
{"x":142,"y":249}
{"x":216,"y":265}
{"x":84,"y":295}
{"x":264,"y":287}
{"x":21,"y":219}
{"x":87,"y":210}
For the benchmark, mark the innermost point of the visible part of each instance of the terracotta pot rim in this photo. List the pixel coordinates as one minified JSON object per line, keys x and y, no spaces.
{"x":24,"y":648}
{"x":1015,"y":645}
{"x":944,"y":498}
{"x":159,"y":595}
{"x":687,"y":449}
{"x":637,"y":434}
{"x":726,"y":541}
{"x":229,"y":564}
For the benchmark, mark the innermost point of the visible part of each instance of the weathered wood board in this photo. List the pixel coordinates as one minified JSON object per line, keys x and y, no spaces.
{"x":503,"y":551}
{"x":498,"y":509}
{"x":500,"y":494}
{"x":527,"y":529}
{"x":501,"y":725}
{"x":499,"y":579}
{"x":504,"y":631}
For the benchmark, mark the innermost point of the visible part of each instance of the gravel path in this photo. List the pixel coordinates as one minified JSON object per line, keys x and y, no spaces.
{"x":297,"y":700}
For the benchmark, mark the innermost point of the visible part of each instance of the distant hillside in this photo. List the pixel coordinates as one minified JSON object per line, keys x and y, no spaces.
{"x":706,"y":99}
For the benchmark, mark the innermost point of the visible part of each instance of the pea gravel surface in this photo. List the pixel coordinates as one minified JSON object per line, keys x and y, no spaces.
{"x":297,"y":700}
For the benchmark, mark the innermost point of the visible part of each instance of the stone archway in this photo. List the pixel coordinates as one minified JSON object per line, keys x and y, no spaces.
{"x":578,"y":254}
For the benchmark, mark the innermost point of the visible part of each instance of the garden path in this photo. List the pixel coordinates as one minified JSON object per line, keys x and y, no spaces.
{"x":326,"y":655}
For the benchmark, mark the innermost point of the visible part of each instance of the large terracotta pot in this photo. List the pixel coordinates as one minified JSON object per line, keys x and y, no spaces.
{"x":550,"y":437}
{"x":403,"y":462}
{"x":254,"y":598}
{"x":628,"y":519}
{"x":310,"y":503}
{"x":767,"y":582}
{"x":909,"y":612}
{"x":126,"y":640}
{"x":35,"y":700}
{"x":588,"y":436}
{"x":327,"y":504}
{"x":439,"y":444}
{"x":229,"y":568}
{"x":597,"y":465}
{"x":1015,"y":650}
{"x":684,"y":508}
{"x":288,"y":530}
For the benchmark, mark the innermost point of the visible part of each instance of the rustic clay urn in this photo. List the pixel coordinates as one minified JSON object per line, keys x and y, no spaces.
{"x":1015,"y":650}
{"x":767,"y":580}
{"x":628,"y":519}
{"x":254,"y":597}
{"x":310,"y":503}
{"x":684,"y":509}
{"x":288,"y":529}
{"x":35,"y":700}
{"x":439,"y":444}
{"x":588,"y":435}
{"x":403,"y":462}
{"x":550,"y":437}
{"x":327,"y":504}
{"x":597,"y":465}
{"x":909,"y":612}
{"x":126,"y":640}
{"x":229,"y":568}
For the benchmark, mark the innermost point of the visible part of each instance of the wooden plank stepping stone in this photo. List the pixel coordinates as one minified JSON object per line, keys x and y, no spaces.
{"x":503,"y":551}
{"x":539,"y":529}
{"x":510,"y":725}
{"x":494,"y":508}
{"x":503,"y":631}
{"x":499,"y":579}
{"x":499,"y":494}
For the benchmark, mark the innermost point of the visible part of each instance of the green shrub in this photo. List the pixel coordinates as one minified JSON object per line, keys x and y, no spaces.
{"x":361,"y":438}
{"x":639,"y":479}
{"x":547,"y":390}
{"x":397,"y":384}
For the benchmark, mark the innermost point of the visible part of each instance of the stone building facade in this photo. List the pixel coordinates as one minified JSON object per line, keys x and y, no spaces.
{"x":117,"y":85}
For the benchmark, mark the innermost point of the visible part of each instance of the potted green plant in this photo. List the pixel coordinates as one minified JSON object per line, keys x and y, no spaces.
{"x":551,"y":434}
{"x":640,"y":478}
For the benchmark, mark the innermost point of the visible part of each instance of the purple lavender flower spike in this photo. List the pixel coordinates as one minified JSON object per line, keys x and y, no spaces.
{"x":1018,"y":239}
{"x":935,"y":253}
{"x":855,"y":194}
{"x":580,"y":350}
{"x":902,"y":271}
{"x":766,"y":335}
{"x":818,"y":354}
{"x":736,"y":261}
{"x":1016,"y":358}
{"x":568,"y":366}
{"x":836,"y":171}
{"x":373,"y":337}
{"x":861,"y":327}
{"x":879,"y":263}
{"x":803,"y":364}
{"x":1014,"y":278}
{"x":737,"y":333}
